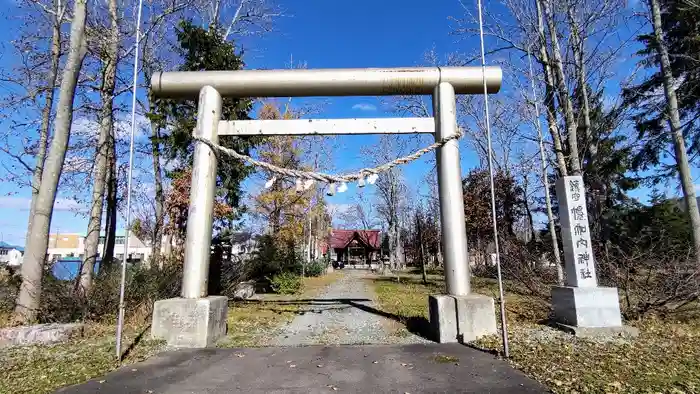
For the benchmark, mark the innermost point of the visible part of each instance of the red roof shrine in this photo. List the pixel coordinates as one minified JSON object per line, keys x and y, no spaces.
{"x":340,"y":239}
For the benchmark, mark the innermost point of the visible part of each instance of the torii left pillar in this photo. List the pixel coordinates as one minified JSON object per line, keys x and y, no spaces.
{"x":196,"y":320}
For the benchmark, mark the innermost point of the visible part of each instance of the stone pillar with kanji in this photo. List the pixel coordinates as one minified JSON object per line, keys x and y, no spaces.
{"x":582,"y":307}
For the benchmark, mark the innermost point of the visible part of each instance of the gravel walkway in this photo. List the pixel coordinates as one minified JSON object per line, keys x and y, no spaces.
{"x":344,"y":313}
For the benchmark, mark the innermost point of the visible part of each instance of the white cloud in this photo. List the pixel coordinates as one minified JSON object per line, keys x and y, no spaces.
{"x":364,"y":107}
{"x":23,"y":203}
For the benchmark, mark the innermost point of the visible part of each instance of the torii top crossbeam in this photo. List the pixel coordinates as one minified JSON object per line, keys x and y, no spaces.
{"x":326,"y":82}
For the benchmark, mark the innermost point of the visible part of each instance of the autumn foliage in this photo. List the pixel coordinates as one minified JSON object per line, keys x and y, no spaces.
{"x":177,"y":205}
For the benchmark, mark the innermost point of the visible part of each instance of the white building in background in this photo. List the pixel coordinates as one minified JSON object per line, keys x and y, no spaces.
{"x":11,"y":255}
{"x":62,"y":245}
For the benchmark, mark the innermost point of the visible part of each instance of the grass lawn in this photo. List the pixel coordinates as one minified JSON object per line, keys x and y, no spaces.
{"x":43,"y":369}
{"x":665,"y":358}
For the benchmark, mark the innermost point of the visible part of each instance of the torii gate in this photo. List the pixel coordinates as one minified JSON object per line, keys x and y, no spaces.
{"x":198,"y":320}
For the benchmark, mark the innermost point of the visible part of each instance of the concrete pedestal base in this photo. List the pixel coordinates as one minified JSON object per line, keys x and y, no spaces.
{"x":461,"y":318}
{"x":599,"y":332}
{"x":190,"y":323}
{"x":586,"y":306}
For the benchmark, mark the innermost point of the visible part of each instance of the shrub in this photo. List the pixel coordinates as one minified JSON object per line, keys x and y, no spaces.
{"x":287,"y":283}
{"x":316,"y":268}
{"x":271,"y":259}
{"x":144,"y":286}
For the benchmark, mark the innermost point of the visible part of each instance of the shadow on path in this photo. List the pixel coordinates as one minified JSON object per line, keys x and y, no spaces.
{"x":416,"y":325}
{"x":135,"y":342}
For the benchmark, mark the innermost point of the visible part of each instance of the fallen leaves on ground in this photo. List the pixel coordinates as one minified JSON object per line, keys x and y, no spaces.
{"x":43,"y":369}
{"x":665,"y":358}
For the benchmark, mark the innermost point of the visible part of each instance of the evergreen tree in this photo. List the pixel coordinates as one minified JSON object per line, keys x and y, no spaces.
{"x":205,"y":50}
{"x":681,"y":26}
{"x":607,"y":162}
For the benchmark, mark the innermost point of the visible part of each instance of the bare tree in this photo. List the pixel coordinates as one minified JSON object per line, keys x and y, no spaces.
{"x":390,"y":193}
{"x":545,"y":182}
{"x":674,"y":123}
{"x":550,"y":104}
{"x":52,"y":16}
{"x":108,"y":48}
{"x":37,"y":242}
{"x":56,"y":19}
{"x":361,"y":213}
{"x":565,"y":103}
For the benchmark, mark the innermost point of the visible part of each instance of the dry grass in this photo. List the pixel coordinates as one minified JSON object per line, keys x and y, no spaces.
{"x":43,"y":369}
{"x":665,"y":358}
{"x":5,"y":319}
{"x":251,"y":322}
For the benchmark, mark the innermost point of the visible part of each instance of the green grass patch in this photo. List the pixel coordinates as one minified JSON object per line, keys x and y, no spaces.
{"x":665,"y":358}
{"x":444,"y":359}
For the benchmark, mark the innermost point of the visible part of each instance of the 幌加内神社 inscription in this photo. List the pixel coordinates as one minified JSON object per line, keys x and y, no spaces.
{"x":578,"y":254}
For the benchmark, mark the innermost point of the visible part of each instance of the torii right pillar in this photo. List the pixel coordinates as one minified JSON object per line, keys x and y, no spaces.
{"x":582,"y":307}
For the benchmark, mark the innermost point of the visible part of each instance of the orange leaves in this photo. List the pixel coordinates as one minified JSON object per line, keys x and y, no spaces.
{"x":177,"y":202}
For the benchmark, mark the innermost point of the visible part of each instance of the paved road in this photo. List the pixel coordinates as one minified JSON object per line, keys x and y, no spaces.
{"x":418,"y":368}
{"x":343,"y":314}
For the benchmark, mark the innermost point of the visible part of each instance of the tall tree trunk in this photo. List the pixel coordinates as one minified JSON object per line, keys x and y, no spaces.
{"x":597,"y":196}
{"x":400,"y":257}
{"x":674,"y":122}
{"x":29,"y":295}
{"x":109,"y":73}
{"x":419,"y":223}
{"x":44,"y":130}
{"x":160,"y":201}
{"x":550,"y":105}
{"x":584,"y":124}
{"x":550,"y":214}
{"x":528,"y":212}
{"x":392,"y":245}
{"x":168,"y":245}
{"x":111,"y":211}
{"x":543,"y":157}
{"x":563,"y":93}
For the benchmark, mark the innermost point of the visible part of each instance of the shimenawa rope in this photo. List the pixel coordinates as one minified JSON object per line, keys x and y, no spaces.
{"x":329,"y":178}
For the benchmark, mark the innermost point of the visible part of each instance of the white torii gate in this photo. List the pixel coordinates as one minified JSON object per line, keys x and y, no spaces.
{"x":198,"y":320}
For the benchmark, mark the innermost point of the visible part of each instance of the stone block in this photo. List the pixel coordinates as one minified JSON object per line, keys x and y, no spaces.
{"x":443,"y":318}
{"x":461,"y":318}
{"x":586,"y":306}
{"x":40,"y":334}
{"x":190,"y":323}
{"x":244,"y":290}
{"x":476,"y":317}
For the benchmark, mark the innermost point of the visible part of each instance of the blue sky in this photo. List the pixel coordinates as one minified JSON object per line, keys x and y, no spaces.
{"x":322,"y":34}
